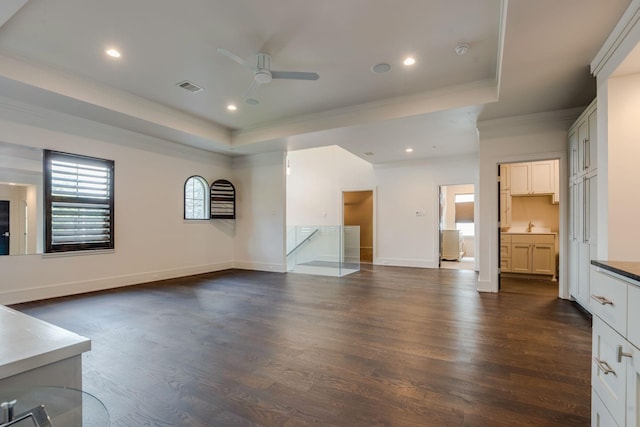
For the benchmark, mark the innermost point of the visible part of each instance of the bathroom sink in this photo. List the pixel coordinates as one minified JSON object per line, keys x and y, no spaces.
{"x":539,"y":230}
{"x":533,"y":230}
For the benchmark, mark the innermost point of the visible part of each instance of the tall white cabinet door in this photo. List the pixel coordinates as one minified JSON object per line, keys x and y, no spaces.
{"x":584,"y":260}
{"x":583,"y":140}
{"x":591,"y":157}
{"x":542,"y":174}
{"x":520,"y":178}
{"x":573,"y":268}
{"x":579,"y":210}
{"x":573,"y":154}
{"x":591,"y":207}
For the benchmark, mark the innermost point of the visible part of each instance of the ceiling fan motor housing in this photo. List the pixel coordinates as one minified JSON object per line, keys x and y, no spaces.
{"x":263,"y":73}
{"x":262,"y":76}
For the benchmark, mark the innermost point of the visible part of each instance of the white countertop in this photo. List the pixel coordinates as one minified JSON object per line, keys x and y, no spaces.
{"x":28,"y":343}
{"x":528,"y":232}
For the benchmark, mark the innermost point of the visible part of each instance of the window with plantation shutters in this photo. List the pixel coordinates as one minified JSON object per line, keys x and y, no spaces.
{"x":78,"y":202}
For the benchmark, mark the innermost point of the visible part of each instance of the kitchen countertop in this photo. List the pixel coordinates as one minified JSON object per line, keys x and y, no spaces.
{"x":624,"y":268}
{"x":29,"y":343}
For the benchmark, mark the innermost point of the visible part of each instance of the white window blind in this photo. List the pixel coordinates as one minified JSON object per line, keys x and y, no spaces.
{"x":79,"y":204}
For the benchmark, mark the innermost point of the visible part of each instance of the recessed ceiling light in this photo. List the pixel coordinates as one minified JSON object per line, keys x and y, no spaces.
{"x":381,"y":68}
{"x":231,"y":107}
{"x":409,"y":150}
{"x":114,"y":53}
{"x":409,"y":61}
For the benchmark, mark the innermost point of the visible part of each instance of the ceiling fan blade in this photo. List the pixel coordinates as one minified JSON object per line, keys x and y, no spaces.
{"x":236,"y":58}
{"x":252,"y":88}
{"x":294,"y":75}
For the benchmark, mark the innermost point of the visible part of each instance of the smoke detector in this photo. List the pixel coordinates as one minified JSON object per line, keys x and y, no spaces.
{"x":461,"y":49}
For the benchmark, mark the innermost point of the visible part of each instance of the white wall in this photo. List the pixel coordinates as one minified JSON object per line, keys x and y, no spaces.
{"x":318,"y":177}
{"x":404,"y":237}
{"x":623,"y":154}
{"x":315,"y":182}
{"x":260,"y":223}
{"x":152,"y":241}
{"x":536,"y":137}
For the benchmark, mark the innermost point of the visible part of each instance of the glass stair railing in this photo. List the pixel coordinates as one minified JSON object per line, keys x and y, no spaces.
{"x":323,"y":250}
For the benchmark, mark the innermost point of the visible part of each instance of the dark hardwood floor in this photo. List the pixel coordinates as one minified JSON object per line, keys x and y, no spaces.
{"x":383,"y":347}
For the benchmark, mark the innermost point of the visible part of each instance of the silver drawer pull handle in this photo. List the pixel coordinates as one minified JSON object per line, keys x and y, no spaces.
{"x":602,"y":300}
{"x":604,"y":367}
{"x":622,"y":354}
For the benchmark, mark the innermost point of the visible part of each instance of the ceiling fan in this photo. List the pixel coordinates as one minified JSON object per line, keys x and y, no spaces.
{"x":262,"y":73}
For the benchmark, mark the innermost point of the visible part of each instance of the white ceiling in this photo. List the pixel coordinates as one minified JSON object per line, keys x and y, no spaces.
{"x":524,"y":57}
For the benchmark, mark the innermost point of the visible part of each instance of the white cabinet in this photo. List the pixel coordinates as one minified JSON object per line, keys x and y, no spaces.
{"x":505,"y":209}
{"x":521,"y":256}
{"x":452,"y":245}
{"x":528,"y":253}
{"x":608,"y":375}
{"x":505,"y":196}
{"x":505,"y":253}
{"x":583,"y":143}
{"x":582,"y":203}
{"x":615,"y":371}
{"x":532,"y":178}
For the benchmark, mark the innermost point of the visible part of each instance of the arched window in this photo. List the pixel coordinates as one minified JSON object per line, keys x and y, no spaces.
{"x":196,"y":198}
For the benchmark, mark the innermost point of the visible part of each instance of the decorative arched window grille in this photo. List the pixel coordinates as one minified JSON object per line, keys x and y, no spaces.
{"x":196,"y":202}
{"x":223,"y":200}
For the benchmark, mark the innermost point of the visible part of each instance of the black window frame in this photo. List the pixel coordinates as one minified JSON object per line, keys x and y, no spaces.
{"x":109,"y":165}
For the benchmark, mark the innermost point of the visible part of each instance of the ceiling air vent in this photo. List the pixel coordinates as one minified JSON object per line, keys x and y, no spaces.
{"x":191,"y":87}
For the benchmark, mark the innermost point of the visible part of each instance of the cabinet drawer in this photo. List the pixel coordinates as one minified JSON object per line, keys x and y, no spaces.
{"x":600,"y":416}
{"x":608,"y":299}
{"x":633,"y":315}
{"x":608,"y":376}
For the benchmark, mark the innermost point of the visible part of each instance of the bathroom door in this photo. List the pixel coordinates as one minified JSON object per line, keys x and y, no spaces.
{"x":4,"y":227}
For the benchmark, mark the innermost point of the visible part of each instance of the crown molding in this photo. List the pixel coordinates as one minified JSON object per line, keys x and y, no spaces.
{"x":619,"y":43}
{"x":549,"y":120}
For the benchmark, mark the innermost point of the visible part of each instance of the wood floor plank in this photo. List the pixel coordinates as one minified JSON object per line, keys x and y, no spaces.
{"x":386,"y":346}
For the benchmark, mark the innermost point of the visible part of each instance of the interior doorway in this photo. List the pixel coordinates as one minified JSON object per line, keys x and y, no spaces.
{"x":529,"y":218}
{"x":4,"y":227}
{"x":457,"y":227}
{"x":358,"y":211}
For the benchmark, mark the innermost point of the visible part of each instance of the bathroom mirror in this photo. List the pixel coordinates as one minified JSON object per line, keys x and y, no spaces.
{"x":21,"y":196}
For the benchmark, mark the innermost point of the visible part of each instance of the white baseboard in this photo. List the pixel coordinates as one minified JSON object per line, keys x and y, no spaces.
{"x":486,"y":286}
{"x":260,"y":266}
{"x":80,"y":287}
{"x":406,"y":262}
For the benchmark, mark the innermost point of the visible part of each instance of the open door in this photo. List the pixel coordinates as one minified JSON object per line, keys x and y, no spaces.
{"x":4,"y":227}
{"x":499,"y":234}
{"x":441,"y":204}
{"x":358,"y":211}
